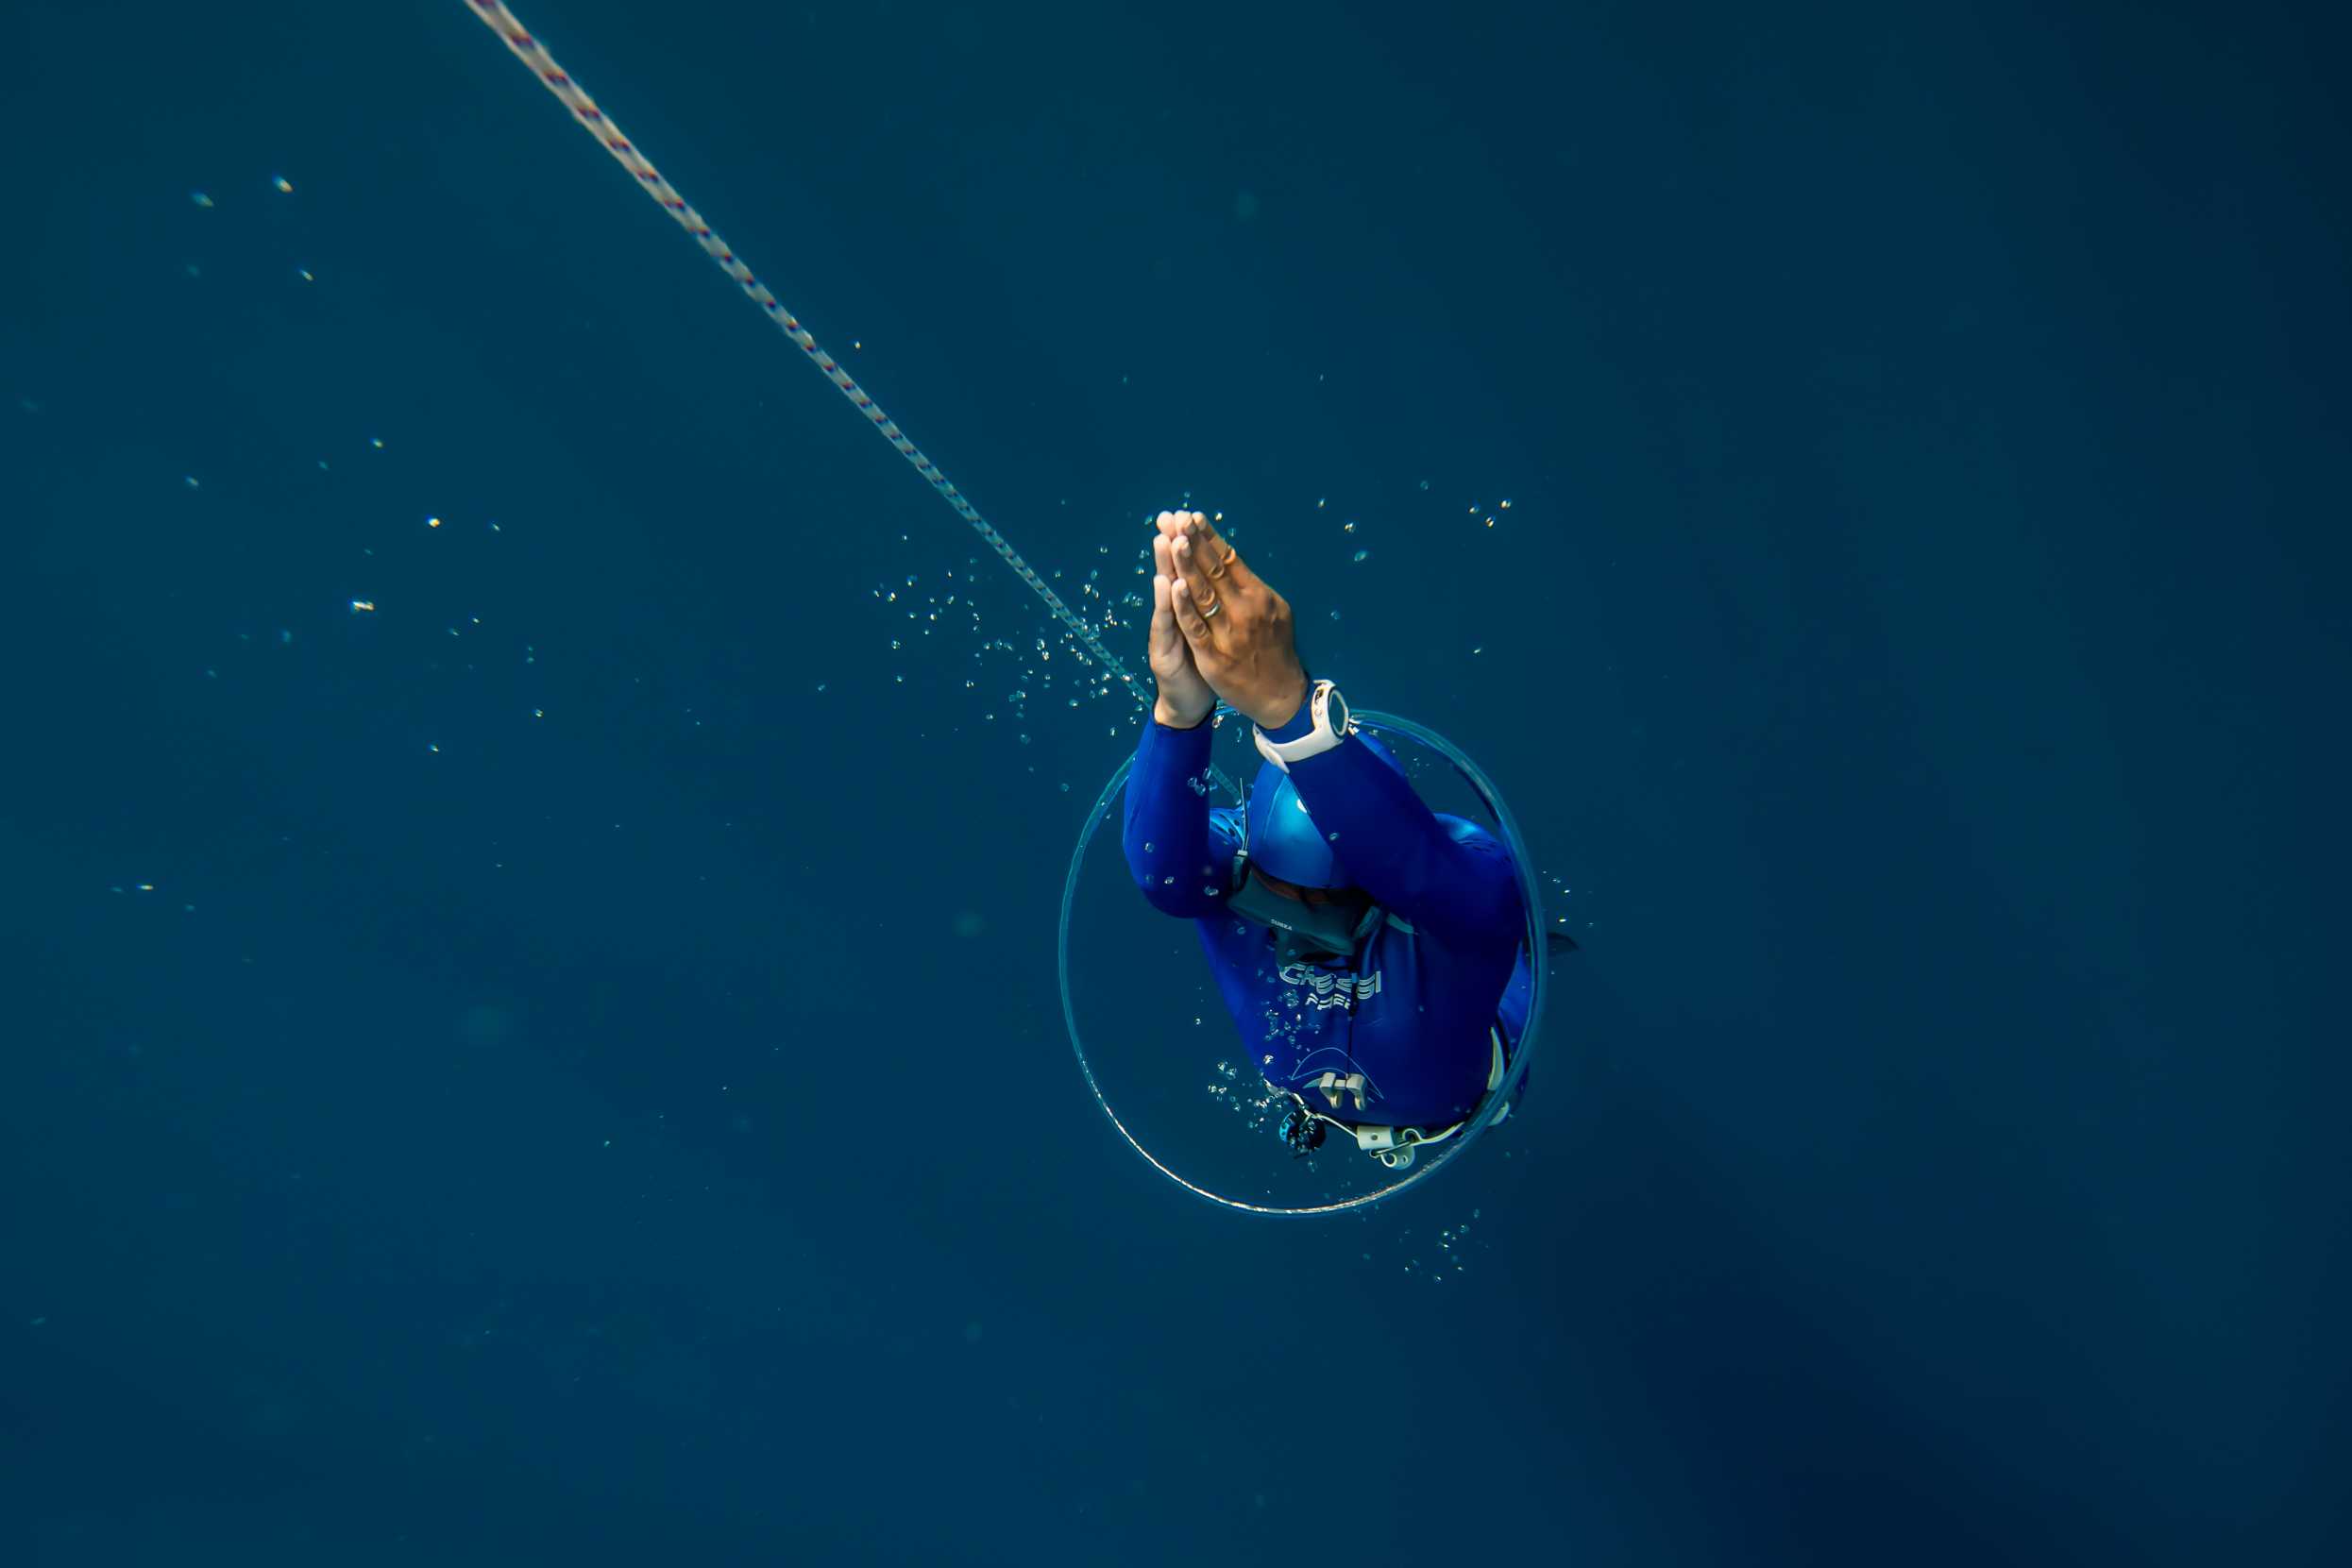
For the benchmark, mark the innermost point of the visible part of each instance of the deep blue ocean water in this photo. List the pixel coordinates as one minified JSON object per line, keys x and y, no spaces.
{"x":564,"y":1065}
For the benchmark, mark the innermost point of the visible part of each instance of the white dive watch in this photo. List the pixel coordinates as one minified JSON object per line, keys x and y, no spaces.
{"x":1333,"y":723}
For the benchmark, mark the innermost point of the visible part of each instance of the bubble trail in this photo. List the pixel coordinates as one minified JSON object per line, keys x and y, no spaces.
{"x":500,"y":20}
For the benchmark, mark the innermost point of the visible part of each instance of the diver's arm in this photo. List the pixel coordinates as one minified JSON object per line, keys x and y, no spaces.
{"x":1397,"y":848}
{"x":1169,"y":837}
{"x":1172,"y":847}
{"x":1242,"y":637}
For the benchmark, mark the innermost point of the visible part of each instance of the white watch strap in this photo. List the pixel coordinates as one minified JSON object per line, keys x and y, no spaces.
{"x":1315,"y":741}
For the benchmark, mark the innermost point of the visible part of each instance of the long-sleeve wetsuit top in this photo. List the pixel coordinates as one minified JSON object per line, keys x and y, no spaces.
{"x":1412,"y":1009}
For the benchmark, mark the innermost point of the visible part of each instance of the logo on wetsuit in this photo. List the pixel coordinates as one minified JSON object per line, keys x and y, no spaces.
{"x":1323,"y":988}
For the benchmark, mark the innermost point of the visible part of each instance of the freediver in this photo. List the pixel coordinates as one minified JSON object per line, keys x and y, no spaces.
{"x":1370,"y":951}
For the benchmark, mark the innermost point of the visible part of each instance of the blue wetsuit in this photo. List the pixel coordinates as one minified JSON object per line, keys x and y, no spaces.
{"x":1412,"y":1009}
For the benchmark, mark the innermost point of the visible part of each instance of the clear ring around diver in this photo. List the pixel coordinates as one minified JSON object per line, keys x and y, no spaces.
{"x":1497,"y":1098}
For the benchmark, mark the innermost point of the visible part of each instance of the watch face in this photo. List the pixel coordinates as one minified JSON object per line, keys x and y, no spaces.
{"x":1335,"y":710}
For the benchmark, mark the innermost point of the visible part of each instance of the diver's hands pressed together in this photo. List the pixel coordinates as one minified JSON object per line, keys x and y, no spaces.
{"x":1185,"y":697}
{"x":1236,"y":628}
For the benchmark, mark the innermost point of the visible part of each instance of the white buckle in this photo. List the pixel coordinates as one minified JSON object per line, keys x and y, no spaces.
{"x":1392,"y":1146}
{"x":1336,"y":1089}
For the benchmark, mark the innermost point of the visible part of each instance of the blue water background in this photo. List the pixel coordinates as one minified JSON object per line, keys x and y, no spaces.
{"x":584,"y":1081}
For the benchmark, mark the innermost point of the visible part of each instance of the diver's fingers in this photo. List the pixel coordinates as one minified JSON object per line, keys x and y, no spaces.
{"x":1167,"y":643}
{"x":1194,"y":605}
{"x":1175,"y":524}
{"x":1206,"y":592}
{"x":1220,"y":560}
{"x":1163,"y":577}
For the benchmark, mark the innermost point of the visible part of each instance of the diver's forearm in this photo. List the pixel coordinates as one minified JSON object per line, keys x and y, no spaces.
{"x":1399,"y":852}
{"x":1167,"y":833}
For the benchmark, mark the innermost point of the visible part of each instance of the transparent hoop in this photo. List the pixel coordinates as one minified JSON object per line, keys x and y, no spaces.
{"x":1501,"y":1096}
